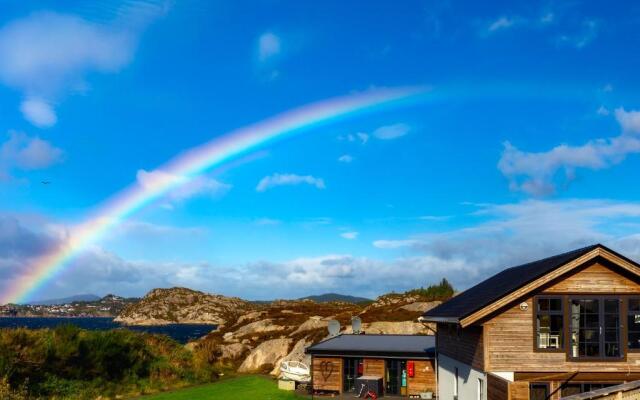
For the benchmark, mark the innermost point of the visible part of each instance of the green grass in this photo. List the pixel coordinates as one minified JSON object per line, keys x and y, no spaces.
{"x":250,"y":387}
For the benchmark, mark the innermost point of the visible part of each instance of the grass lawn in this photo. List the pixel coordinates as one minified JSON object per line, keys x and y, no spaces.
{"x":250,"y":387}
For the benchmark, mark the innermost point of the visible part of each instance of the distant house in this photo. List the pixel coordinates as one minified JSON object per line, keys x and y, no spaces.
{"x":405,"y":363}
{"x":543,"y":330}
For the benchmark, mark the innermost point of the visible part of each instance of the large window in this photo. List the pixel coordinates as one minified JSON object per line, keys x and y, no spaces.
{"x":549,"y":323}
{"x":633,"y":323}
{"x":595,"y":328}
{"x":577,"y":388}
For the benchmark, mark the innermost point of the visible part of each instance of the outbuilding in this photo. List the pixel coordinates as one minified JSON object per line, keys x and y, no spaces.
{"x":404,"y":363}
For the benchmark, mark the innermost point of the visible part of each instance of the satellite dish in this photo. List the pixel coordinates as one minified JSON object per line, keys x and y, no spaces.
{"x":334,"y":327}
{"x":356,"y":325}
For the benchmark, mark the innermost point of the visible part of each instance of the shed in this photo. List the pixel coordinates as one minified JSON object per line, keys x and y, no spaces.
{"x":406,"y":363}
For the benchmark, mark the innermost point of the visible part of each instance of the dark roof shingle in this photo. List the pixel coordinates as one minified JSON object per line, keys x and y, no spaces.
{"x":378,"y":345}
{"x":503,"y":283}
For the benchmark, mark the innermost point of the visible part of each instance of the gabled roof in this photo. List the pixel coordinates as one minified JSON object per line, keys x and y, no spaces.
{"x":508,"y":281}
{"x":414,"y":346}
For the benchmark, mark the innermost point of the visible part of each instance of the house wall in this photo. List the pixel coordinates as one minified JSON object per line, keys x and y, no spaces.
{"x":327,"y":374}
{"x":467,"y":379}
{"x":465,"y":345}
{"x":509,"y":336}
{"x":424,"y":379}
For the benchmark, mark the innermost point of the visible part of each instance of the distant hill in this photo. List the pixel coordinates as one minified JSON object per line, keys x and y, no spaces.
{"x":66,"y":300}
{"x":329,"y":297}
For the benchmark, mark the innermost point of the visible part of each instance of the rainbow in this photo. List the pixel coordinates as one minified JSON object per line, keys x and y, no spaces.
{"x":188,"y":165}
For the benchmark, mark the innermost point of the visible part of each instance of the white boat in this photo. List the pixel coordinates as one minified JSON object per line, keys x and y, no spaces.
{"x":295,"y":371}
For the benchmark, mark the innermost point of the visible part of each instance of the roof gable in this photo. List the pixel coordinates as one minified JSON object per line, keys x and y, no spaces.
{"x":499,"y":290}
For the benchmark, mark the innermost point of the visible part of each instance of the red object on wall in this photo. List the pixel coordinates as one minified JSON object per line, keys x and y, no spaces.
{"x":360,"y":368}
{"x":411,"y":369}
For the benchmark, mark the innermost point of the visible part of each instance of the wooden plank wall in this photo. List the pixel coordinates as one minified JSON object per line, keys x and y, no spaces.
{"x":519,"y":391}
{"x":424,"y":379}
{"x":596,"y":278}
{"x":464,"y":345}
{"x":510,"y":340}
{"x":327,"y":374}
{"x":497,"y":388}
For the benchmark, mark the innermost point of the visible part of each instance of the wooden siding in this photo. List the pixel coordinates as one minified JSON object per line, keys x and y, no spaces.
{"x":327,"y":374}
{"x":509,"y":339}
{"x":497,"y":388}
{"x":596,"y":278}
{"x":519,"y":391}
{"x":464,"y":345}
{"x":424,"y":379}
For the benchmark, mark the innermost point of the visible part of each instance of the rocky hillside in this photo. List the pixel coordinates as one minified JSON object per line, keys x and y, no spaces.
{"x":184,"y":306}
{"x":261,"y":339}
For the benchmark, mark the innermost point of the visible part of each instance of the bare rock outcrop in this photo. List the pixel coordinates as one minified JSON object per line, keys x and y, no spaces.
{"x":296,"y":354}
{"x":267,"y":353}
{"x":183,"y":306}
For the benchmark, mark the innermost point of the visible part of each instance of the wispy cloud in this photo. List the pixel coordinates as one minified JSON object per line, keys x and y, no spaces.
{"x":185,"y":187}
{"x":267,"y":221}
{"x":269,"y":182}
{"x":587,"y":33}
{"x":500,"y":24}
{"x":350,"y":235}
{"x":44,"y":72}
{"x":24,"y":152}
{"x":268,"y":46}
{"x":536,"y":173}
{"x":389,"y":132}
{"x":361,"y":137}
{"x":345,"y":158}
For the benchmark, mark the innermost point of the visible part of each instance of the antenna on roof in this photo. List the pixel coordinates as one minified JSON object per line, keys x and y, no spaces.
{"x":334,"y":328}
{"x":356,"y":325}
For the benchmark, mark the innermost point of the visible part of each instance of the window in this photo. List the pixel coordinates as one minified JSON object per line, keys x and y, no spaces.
{"x":577,"y":388}
{"x":480,"y":389}
{"x":538,"y":391}
{"x":633,"y":323}
{"x":549,"y":323}
{"x":595,"y":328}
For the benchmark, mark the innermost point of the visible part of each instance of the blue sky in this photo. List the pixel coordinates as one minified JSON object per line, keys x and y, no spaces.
{"x":526,"y":146}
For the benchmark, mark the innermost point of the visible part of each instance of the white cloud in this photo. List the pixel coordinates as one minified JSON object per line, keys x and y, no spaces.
{"x":536,"y":173}
{"x":274,"y":180}
{"x":38,"y":112}
{"x":603,"y":111}
{"x":349,"y":235}
{"x":345,"y":158}
{"x":500,"y":23}
{"x":361,"y":137}
{"x":268,"y":46}
{"x":27,"y":153}
{"x":184,"y":187}
{"x":394,"y":244}
{"x":31,"y":63}
{"x":607,"y":88}
{"x":394,"y":131}
{"x":502,"y":238}
{"x":629,"y":120}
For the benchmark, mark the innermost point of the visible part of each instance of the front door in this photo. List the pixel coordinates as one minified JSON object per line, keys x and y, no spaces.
{"x":396,"y":376}
{"x":352,"y":370}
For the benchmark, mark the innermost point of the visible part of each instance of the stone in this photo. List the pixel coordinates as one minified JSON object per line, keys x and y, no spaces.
{"x":269,"y":352}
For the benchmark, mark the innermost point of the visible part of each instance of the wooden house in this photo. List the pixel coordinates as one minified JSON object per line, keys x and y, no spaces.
{"x":543,"y":330}
{"x":406,"y":363}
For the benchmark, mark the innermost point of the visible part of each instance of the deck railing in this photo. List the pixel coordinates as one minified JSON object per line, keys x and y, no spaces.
{"x":626,"y":391}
